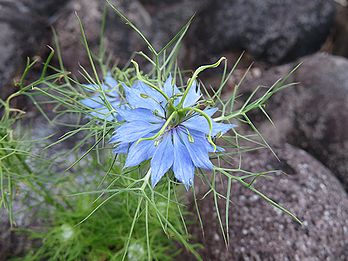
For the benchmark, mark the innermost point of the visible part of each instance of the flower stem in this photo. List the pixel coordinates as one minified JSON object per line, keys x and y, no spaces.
{"x":194,"y":77}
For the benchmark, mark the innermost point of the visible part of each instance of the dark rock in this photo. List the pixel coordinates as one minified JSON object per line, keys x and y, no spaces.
{"x":274,"y":31}
{"x":340,"y":34}
{"x":7,"y":50}
{"x":23,"y":26}
{"x":168,"y":18}
{"x":156,"y":2}
{"x":260,"y":232}
{"x":12,"y":243}
{"x":314,"y":114}
{"x":321,"y":120}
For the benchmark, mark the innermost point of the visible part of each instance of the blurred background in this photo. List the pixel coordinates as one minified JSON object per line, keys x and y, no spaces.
{"x":311,"y":134}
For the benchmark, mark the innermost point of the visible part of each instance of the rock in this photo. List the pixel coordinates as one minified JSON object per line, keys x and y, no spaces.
{"x":321,"y":122}
{"x":23,"y":25}
{"x":159,"y":22}
{"x":168,"y":18}
{"x":155,"y":2}
{"x":340,"y":34}
{"x":273,"y":31}
{"x":13,"y":243}
{"x":7,"y":49}
{"x":314,"y":114}
{"x":120,"y":40}
{"x":260,"y":232}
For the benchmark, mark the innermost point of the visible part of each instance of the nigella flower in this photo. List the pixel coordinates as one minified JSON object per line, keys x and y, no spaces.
{"x":166,"y":129}
{"x":103,"y":106}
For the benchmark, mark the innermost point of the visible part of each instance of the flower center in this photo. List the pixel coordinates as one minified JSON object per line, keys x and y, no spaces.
{"x":177,"y":118}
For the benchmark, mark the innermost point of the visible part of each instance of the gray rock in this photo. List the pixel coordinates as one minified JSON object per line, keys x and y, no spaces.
{"x":168,"y":18}
{"x":156,"y":2}
{"x":7,"y":50}
{"x":321,"y":122}
{"x":272,"y":30}
{"x":260,"y":232}
{"x":23,"y":25}
{"x":120,"y":40}
{"x":314,"y":114}
{"x":340,"y":32}
{"x":159,"y":22}
{"x":12,"y":242}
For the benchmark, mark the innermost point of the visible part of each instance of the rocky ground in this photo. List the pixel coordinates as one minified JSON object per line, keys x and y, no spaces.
{"x":260,"y":232}
{"x":311,"y":134}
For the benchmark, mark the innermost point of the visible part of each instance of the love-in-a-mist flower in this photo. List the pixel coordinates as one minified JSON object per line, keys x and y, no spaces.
{"x":105,"y":99}
{"x":167,"y":127}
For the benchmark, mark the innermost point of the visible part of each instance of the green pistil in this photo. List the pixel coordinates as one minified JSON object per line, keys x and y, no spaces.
{"x":170,"y":109}
{"x":175,"y":116}
{"x":162,"y":130}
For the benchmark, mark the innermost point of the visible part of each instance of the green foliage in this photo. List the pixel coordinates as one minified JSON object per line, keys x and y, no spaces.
{"x":13,"y":168}
{"x":105,"y":234}
{"x":16,"y":176}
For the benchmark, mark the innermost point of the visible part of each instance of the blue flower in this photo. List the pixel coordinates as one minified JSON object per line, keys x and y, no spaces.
{"x":172,"y":141}
{"x":96,"y":102}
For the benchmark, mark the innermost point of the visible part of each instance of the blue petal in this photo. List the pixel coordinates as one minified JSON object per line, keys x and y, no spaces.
{"x":91,"y":87}
{"x":110,"y":81}
{"x":140,"y":152}
{"x":198,"y":149}
{"x":132,"y":131}
{"x":111,"y":95}
{"x":99,"y":109}
{"x":203,"y":138}
{"x":204,"y":141}
{"x":93,"y":102}
{"x":222,"y":128}
{"x":169,"y":88}
{"x":103,"y":113}
{"x":139,"y":114}
{"x":146,"y":89}
{"x":162,"y":160}
{"x":183,"y":167}
{"x":121,"y":148}
{"x":114,"y":104}
{"x":139,"y":99}
{"x":118,"y":106}
{"x":211,"y":111}
{"x":219,"y":149}
{"x":96,"y":101}
{"x":193,"y":95}
{"x":199,"y":123}
{"x":109,"y":84}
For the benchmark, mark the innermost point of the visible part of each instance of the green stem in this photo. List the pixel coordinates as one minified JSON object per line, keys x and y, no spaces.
{"x":146,"y":180}
{"x":194,"y":77}
{"x":228,"y":117}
